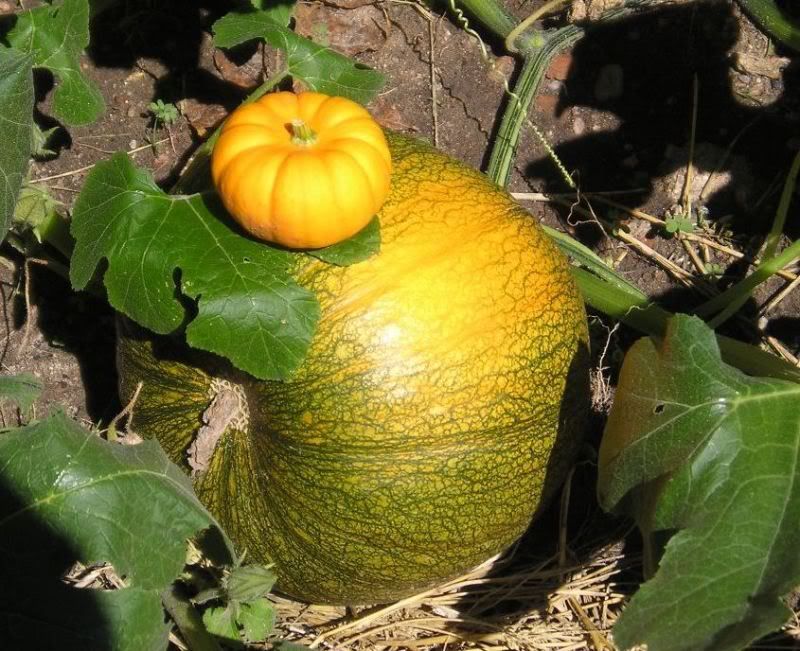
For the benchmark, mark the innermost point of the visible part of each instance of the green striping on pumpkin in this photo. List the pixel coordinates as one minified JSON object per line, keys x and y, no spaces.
{"x":440,"y":404}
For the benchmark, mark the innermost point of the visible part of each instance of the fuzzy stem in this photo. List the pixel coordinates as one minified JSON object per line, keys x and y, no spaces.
{"x":55,"y":231}
{"x":188,"y":621}
{"x":493,"y":15}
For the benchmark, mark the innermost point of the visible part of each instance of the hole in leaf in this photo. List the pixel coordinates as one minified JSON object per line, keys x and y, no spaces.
{"x":659,"y":408}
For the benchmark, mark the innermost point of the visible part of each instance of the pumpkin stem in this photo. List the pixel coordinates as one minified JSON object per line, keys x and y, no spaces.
{"x":302,"y":134}
{"x":228,"y":409}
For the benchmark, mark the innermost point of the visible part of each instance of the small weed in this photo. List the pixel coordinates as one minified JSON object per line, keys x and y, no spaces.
{"x":678,"y":220}
{"x":678,"y":223}
{"x":714,"y":270}
{"x":164,"y":114}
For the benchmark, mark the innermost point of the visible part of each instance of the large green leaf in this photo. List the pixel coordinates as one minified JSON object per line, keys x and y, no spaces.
{"x":695,"y":446}
{"x":248,"y":307}
{"x":16,"y":121}
{"x":55,"y":37}
{"x":320,"y":68}
{"x":66,"y":495}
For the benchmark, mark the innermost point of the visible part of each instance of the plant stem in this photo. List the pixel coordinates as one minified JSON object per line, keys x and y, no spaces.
{"x":537,"y":60}
{"x":771,"y":19}
{"x":771,"y":243}
{"x":541,"y":12}
{"x":493,"y":16}
{"x":734,"y":297}
{"x":302,"y":134}
{"x":505,"y":146}
{"x":55,"y":231}
{"x":626,"y":304}
{"x":188,"y":621}
{"x":631,"y":306}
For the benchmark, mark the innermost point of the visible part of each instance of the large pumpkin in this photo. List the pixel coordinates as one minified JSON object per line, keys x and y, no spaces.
{"x":439,"y":406}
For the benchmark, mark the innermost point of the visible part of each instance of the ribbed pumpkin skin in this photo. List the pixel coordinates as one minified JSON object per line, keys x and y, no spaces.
{"x":301,"y":195}
{"x":416,"y":440}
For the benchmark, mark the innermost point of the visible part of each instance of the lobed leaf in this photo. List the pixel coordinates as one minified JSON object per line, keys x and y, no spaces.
{"x":55,"y":37}
{"x":221,"y":621}
{"x":16,"y":123}
{"x":257,"y":619}
{"x":695,"y":446}
{"x":249,"y":582}
{"x":67,"y":495}
{"x":248,"y":307}
{"x":320,"y":68}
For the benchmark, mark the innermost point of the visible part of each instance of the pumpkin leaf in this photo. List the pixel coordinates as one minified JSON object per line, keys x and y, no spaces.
{"x":56,"y":36}
{"x":221,"y":621}
{"x":695,"y":446}
{"x":257,"y":619}
{"x":363,"y":245}
{"x":66,"y":495}
{"x":22,"y":389}
{"x":16,"y":109}
{"x":250,"y":582}
{"x":248,"y":307}
{"x":320,"y":68}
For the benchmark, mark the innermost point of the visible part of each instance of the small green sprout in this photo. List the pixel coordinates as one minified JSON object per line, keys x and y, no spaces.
{"x":678,"y":224}
{"x":678,"y":220}
{"x":164,"y":114}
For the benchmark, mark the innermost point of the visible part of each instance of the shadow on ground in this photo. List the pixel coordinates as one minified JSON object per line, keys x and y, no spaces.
{"x":84,"y":326}
{"x":656,"y":56}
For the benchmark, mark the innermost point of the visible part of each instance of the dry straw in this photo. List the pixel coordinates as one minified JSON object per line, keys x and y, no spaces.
{"x":499,"y":605}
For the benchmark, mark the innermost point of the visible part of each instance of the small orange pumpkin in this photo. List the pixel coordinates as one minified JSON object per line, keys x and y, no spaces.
{"x":302,"y":170}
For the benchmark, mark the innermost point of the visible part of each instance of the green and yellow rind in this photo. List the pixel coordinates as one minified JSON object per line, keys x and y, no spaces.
{"x":440,"y":403}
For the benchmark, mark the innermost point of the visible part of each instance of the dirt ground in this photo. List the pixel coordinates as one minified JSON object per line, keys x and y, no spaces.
{"x":617,"y":109}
